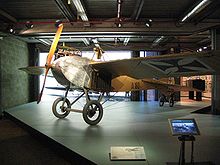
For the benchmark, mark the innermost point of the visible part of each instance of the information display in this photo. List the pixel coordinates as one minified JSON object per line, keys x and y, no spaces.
{"x":127,"y":153}
{"x":184,"y":127}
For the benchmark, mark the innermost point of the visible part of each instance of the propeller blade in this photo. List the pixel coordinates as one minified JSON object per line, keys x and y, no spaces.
{"x":50,"y":56}
{"x":54,"y":44}
{"x":41,"y":93}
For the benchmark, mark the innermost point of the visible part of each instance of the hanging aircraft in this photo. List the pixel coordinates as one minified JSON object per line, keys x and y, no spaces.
{"x":75,"y":72}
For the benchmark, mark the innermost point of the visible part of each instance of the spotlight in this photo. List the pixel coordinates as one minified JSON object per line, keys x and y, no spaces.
{"x":57,"y":23}
{"x":11,"y":29}
{"x":119,"y":25}
{"x":148,"y":23}
{"x":29,"y":24}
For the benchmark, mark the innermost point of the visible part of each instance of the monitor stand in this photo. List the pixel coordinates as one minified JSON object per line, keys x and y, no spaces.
{"x":183,"y":139}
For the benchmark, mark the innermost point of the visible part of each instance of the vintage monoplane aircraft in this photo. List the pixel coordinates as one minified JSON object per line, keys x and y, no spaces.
{"x":75,"y":72}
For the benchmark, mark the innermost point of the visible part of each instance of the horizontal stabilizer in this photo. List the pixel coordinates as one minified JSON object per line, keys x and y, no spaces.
{"x":34,"y":70}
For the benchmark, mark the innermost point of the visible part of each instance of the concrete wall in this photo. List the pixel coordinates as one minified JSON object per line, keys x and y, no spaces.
{"x":14,"y":83}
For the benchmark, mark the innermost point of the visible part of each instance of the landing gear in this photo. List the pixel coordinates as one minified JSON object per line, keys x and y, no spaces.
{"x":169,"y":99}
{"x":162,"y":99}
{"x":60,"y":106}
{"x":92,"y":110}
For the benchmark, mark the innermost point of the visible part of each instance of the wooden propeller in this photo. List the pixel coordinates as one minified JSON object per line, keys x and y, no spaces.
{"x":50,"y":56}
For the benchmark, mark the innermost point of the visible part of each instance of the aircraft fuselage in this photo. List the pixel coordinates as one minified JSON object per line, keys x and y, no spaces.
{"x":73,"y":71}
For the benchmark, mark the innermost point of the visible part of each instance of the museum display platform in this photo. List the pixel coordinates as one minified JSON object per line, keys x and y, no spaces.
{"x":125,"y":124}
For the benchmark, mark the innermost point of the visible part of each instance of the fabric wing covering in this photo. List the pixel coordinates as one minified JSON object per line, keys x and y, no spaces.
{"x":171,"y":65}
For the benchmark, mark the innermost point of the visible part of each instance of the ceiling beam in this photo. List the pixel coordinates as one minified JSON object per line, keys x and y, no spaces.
{"x":8,"y":16}
{"x":129,"y":29}
{"x":65,"y":10}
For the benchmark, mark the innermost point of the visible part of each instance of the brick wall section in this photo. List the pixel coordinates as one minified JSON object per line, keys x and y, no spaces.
{"x":14,"y":83}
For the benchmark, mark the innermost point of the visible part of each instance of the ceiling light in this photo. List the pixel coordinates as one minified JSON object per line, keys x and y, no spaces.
{"x":158,"y":40}
{"x":57,"y":23}
{"x":196,"y":9}
{"x":29,"y":24}
{"x":46,"y":42}
{"x":84,"y":17}
{"x":126,"y":40}
{"x":86,"y":41}
{"x":80,"y":10}
{"x":148,"y":23}
{"x":11,"y":29}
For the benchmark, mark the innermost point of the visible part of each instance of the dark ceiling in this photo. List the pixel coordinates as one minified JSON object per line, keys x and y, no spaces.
{"x":115,"y":24}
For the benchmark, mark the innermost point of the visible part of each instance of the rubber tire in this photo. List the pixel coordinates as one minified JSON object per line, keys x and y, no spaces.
{"x":54,"y":108}
{"x":85,"y":112}
{"x":171,"y":102}
{"x":161,"y":101}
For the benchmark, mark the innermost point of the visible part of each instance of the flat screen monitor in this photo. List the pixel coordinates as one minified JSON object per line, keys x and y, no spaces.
{"x":184,"y":127}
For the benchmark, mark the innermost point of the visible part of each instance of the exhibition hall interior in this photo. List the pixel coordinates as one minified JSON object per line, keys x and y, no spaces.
{"x":110,"y":82}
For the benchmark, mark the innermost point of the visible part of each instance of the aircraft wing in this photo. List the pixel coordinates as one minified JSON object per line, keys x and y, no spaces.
{"x":171,"y":65}
{"x":36,"y":70}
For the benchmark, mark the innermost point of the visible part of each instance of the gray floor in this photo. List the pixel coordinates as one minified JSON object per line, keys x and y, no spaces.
{"x":126,"y":124}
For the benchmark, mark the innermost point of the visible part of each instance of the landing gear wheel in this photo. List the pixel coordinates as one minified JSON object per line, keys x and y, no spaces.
{"x":171,"y":102}
{"x":92,"y":112}
{"x":161,"y":101}
{"x":58,"y":110}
